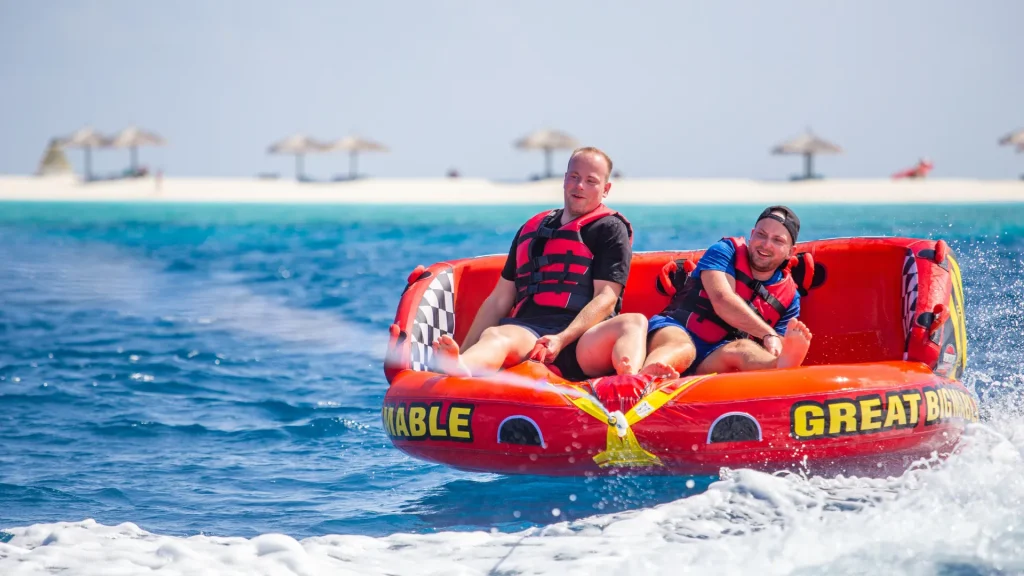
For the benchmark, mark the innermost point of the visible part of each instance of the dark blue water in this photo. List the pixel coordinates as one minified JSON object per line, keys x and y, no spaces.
{"x":217,"y":369}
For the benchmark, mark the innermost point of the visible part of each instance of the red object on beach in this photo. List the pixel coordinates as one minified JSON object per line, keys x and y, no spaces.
{"x":922,"y":169}
{"x":879,"y":389}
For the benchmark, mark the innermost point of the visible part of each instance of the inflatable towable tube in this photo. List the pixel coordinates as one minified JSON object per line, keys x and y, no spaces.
{"x":879,"y":390}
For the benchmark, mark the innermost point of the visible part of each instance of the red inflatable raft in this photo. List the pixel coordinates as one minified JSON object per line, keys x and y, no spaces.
{"x":879,"y":389}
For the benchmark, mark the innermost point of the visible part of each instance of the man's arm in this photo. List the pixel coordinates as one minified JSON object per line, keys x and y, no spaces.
{"x":495,"y":307}
{"x":721,"y":289}
{"x":501,"y":299}
{"x":606,"y":294}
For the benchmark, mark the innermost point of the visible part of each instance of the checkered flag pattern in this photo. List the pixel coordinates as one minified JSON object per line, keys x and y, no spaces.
{"x":909,"y":295}
{"x":435,"y":316}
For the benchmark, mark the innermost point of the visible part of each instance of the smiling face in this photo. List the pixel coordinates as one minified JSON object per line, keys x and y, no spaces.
{"x":586,"y":184}
{"x":770,"y":245}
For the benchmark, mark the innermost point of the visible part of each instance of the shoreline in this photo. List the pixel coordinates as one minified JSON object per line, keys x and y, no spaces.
{"x":472,"y":191}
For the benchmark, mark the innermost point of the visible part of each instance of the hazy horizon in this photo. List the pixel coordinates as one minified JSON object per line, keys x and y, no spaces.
{"x":668,"y":90}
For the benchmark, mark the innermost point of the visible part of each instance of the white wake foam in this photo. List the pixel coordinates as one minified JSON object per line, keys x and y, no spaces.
{"x":962,"y":513}
{"x":107,"y":277}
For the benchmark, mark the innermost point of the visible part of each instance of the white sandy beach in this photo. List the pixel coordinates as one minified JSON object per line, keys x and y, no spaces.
{"x":480,"y":191}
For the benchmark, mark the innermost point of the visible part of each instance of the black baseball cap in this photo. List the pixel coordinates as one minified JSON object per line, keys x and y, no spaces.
{"x":789,"y":219}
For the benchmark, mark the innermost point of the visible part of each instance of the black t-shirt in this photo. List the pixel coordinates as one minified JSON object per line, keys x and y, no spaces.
{"x":607,"y":239}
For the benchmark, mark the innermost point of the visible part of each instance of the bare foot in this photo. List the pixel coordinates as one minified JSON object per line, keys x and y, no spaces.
{"x":625,"y":366}
{"x":446,"y":357}
{"x":795,"y":344}
{"x":659,"y":371}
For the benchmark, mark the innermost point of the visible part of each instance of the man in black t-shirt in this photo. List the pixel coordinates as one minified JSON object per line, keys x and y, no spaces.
{"x":554,"y":302}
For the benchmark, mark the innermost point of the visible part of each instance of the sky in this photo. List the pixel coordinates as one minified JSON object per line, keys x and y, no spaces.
{"x":672,"y":89}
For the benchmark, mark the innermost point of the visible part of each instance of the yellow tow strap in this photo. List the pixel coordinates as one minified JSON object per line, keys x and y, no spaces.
{"x":626,"y":450}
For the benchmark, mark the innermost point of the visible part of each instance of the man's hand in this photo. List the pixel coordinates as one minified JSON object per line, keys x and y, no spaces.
{"x":773,"y":344}
{"x":547,"y":348}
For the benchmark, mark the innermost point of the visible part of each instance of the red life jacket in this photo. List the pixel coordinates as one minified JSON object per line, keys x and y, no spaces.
{"x":561,"y":276}
{"x":692,"y":307}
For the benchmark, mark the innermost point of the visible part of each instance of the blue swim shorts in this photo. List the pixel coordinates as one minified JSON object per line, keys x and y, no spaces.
{"x":704,"y":349}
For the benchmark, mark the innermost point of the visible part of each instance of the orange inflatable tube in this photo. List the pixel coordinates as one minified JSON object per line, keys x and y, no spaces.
{"x":880,"y":387}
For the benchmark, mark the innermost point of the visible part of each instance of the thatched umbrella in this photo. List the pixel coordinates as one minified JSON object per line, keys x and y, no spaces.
{"x":1013,"y":138}
{"x":548,"y":141}
{"x":299,"y":145}
{"x":354,"y":145}
{"x":86,"y":139}
{"x":807,"y":145}
{"x":132,"y":138}
{"x":54,"y":161}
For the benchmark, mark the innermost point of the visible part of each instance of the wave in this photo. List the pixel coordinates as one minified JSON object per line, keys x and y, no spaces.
{"x":959,"y":515}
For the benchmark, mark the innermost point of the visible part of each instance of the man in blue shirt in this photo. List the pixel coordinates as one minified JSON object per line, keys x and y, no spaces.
{"x":737,"y":310}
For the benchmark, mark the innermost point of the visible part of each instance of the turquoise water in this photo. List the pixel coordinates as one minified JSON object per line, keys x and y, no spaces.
{"x":216,"y":369}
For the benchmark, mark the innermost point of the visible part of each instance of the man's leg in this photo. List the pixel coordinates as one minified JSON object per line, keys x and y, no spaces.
{"x":613,"y":345}
{"x":670,"y":352}
{"x":743,"y":355}
{"x":737,"y":356}
{"x":499,"y":346}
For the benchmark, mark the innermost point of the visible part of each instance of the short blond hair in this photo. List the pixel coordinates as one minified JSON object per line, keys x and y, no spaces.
{"x":596,"y":152}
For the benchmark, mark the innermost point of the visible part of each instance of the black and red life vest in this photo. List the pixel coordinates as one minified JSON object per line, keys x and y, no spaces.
{"x":561,"y":275}
{"x":692,"y":307}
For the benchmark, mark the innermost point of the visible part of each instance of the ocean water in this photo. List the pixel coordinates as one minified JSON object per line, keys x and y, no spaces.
{"x":196,"y":389}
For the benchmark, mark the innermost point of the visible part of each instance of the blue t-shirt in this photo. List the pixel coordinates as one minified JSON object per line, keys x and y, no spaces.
{"x":720,"y":257}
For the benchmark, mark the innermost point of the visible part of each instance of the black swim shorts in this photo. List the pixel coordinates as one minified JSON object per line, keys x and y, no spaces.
{"x":566,"y":361}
